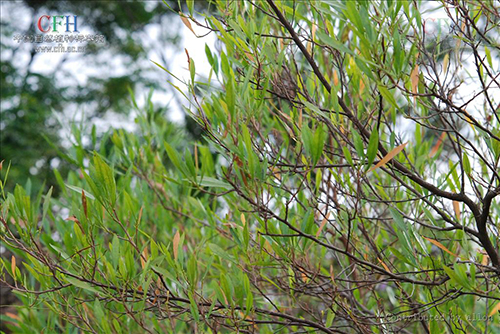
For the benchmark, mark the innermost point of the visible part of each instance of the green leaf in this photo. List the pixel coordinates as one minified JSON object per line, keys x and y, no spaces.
{"x":190,"y":5}
{"x":79,"y":191}
{"x":80,"y":284}
{"x":372,"y":147}
{"x":105,"y":177}
{"x":174,"y":157}
{"x":347,"y":155}
{"x":330,"y":41}
{"x":208,"y":181}
{"x":366,"y":70}
{"x":192,"y":70}
{"x":457,"y":278}
{"x":466,"y":164}
{"x":194,"y":308}
{"x":358,"y":144}
{"x":387,"y":95}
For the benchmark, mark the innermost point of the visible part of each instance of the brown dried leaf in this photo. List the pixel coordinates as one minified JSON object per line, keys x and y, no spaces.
{"x":323,"y":223}
{"x":144,"y":257}
{"x":13,"y":266}
{"x":495,"y":309}
{"x":485,"y":259}
{"x":313,"y":33}
{"x":440,"y":245}
{"x":389,"y":156}
{"x":84,"y":204}
{"x":13,"y":316}
{"x":384,"y":265}
{"x":74,"y":219}
{"x":438,"y":143}
{"x":186,"y":22}
{"x":335,"y":78}
{"x":177,"y":238}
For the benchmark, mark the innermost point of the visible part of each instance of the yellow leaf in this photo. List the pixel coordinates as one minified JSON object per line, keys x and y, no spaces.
{"x":187,"y":23}
{"x":389,"y":156}
{"x":446,"y":61}
{"x":469,"y":120}
{"x":440,"y":245}
{"x":144,"y":257}
{"x":495,"y":309}
{"x":384,"y":265}
{"x":140,"y":215}
{"x":414,"y":76}
{"x":268,"y":246}
{"x":243,"y":221}
{"x":313,"y":35}
{"x":277,"y":173}
{"x":335,"y":78}
{"x":323,"y":223}
{"x":13,"y":266}
{"x":159,"y":283}
{"x":456,"y":207}
{"x":177,"y":238}
{"x":485,"y":259}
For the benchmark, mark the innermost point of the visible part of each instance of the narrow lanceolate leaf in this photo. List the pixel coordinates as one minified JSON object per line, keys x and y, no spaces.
{"x":384,"y":265}
{"x":144,"y":257}
{"x":323,"y":223}
{"x":84,"y":203}
{"x":372,"y":147}
{"x":389,"y":156}
{"x":177,"y":238}
{"x":438,"y":144}
{"x":494,"y":310}
{"x":440,"y":245}
{"x":414,"y":78}
{"x":446,"y":62}
{"x":13,"y":266}
{"x":80,"y":284}
{"x":186,"y":22}
{"x":456,"y":208}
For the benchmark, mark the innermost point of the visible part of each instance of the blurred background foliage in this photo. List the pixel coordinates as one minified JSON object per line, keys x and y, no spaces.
{"x":41,"y":95}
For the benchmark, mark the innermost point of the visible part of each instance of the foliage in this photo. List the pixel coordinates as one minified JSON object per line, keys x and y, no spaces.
{"x":34,"y":93}
{"x":345,"y":184}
